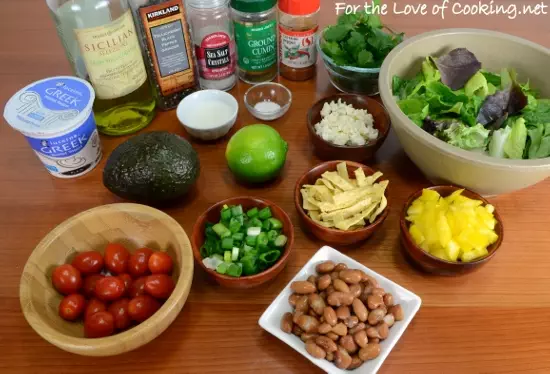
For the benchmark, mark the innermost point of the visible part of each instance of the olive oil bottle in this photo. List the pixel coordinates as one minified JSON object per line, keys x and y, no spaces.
{"x":102,"y":45}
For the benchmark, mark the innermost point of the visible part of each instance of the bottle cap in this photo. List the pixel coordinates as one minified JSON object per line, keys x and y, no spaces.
{"x":252,"y":6}
{"x":299,"y":7}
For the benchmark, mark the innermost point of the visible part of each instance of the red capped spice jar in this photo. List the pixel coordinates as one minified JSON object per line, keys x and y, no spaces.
{"x":214,"y":40}
{"x":298,"y":26}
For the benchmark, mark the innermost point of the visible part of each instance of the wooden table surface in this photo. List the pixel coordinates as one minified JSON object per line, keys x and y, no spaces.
{"x":494,"y":321}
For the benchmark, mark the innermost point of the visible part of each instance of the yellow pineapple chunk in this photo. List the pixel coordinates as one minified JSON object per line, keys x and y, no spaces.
{"x":417,"y":235}
{"x":474,"y":255}
{"x":429,"y":195}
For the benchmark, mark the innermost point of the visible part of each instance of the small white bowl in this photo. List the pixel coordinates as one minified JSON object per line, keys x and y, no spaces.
{"x":271,"y":319}
{"x":200,"y":114}
{"x":268,"y":93}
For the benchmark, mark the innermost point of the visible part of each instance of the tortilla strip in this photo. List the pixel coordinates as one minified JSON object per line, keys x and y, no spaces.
{"x":327,"y":183}
{"x":373,"y":178}
{"x":355,"y":220}
{"x":360,"y":177}
{"x":383,"y":205}
{"x":349,"y":198}
{"x":342,"y":170}
{"x":349,"y":212}
{"x":337,"y":180}
{"x":323,"y":193}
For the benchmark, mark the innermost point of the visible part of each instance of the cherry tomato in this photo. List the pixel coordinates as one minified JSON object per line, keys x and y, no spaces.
{"x":142,"y":307}
{"x":72,"y":307}
{"x":89,"y":284}
{"x":99,"y":325}
{"x":159,"y":286}
{"x":160,"y":263}
{"x":127,"y":279}
{"x":137,"y":288}
{"x":94,"y":306}
{"x":109,"y":288}
{"x":119,"y":310}
{"x":138,"y":264}
{"x":87,"y":263}
{"x":116,"y":258}
{"x":66,"y":279}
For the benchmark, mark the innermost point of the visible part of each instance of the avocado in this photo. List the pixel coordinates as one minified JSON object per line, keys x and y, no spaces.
{"x":151,"y":168}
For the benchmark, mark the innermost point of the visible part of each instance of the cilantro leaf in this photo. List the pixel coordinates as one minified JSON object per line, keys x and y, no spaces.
{"x":337,"y":33}
{"x":355,"y":44}
{"x":365,"y":59}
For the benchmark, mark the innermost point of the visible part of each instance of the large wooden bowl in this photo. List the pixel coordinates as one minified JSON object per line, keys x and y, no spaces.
{"x":213,"y":215}
{"x":133,"y":225}
{"x":332,"y":235}
{"x":432,"y":264}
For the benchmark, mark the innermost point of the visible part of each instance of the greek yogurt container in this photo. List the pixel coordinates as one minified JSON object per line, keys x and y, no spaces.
{"x":55,"y":115}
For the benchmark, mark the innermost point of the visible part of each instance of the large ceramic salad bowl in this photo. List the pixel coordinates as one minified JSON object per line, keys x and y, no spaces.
{"x":445,"y":163}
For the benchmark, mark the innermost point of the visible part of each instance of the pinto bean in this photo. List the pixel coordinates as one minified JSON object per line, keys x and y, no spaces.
{"x":361,"y":338}
{"x":350,"y":276}
{"x":371,"y":351}
{"x":326,"y":343}
{"x":360,"y":310}
{"x":308,"y":324}
{"x":338,"y":298}
{"x":323,"y":282}
{"x":330,"y":316}
{"x":325,"y":267}
{"x":314,"y":350}
{"x":286,"y":323}
{"x":340,"y":285}
{"x":343,"y":312}
{"x":316,"y":303}
{"x":303,"y":287}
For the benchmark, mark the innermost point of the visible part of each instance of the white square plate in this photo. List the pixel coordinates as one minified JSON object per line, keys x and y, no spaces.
{"x":271,"y":319}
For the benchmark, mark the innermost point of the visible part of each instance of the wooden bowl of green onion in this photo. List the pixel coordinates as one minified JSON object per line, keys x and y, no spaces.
{"x":243,"y":242}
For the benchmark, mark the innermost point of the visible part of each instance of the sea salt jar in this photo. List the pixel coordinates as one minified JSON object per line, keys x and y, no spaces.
{"x":55,"y":115}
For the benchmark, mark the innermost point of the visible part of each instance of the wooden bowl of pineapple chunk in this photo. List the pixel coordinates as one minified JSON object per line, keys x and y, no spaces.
{"x":448,"y":230}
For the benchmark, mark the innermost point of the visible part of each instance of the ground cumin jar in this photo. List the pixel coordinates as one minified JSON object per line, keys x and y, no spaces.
{"x":255,"y":24}
{"x":298,"y":26}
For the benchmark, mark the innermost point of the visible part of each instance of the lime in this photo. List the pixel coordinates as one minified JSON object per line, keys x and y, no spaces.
{"x":256,"y":153}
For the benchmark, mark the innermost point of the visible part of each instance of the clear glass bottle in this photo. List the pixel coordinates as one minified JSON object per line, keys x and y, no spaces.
{"x":255,"y":23}
{"x":298,"y":26}
{"x":166,"y":42}
{"x":101,"y":44}
{"x":214,"y":40}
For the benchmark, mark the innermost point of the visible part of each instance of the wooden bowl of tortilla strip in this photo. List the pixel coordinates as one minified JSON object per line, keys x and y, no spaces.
{"x":359,"y":204}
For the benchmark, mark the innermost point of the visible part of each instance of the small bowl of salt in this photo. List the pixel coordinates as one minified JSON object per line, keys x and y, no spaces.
{"x":268,"y":101}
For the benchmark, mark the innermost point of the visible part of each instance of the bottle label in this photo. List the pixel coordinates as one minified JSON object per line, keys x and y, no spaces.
{"x":298,"y":48}
{"x":169,"y":46}
{"x":216,"y":56}
{"x":112,"y":57}
{"x":256,"y":45}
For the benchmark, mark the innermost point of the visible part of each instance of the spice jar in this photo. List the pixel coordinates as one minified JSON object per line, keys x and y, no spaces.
{"x":255,"y":23}
{"x":214,"y":41}
{"x":298,"y":26}
{"x":166,"y":42}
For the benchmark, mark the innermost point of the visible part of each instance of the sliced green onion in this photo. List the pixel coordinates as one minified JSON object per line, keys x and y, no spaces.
{"x":225,"y":215}
{"x":235,"y":225}
{"x":263,"y":241}
{"x":272,"y":235}
{"x":255,"y":222}
{"x":265,"y":213}
{"x":248,"y":248}
{"x":227,"y":243}
{"x":234,"y":270}
{"x":251,"y":240}
{"x":237,"y":210}
{"x":235,"y":254}
{"x":275,"y":224}
{"x":266,"y":226}
{"x":222,"y":268}
{"x":280,"y":241}
{"x":227,"y":256}
{"x":221,"y":230}
{"x":252,"y":213}
{"x":253,"y":231}
{"x":270,"y":257}
{"x":238,"y":236}
{"x":218,"y":257}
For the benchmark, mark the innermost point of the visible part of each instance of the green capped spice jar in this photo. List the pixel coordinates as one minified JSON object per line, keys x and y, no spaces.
{"x":255,"y":23}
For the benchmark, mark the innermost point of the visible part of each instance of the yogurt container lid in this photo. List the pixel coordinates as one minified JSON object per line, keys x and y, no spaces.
{"x":50,"y":106}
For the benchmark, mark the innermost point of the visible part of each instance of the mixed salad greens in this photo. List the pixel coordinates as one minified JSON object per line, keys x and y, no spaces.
{"x":457,"y":101}
{"x":243,"y":243}
{"x":358,"y":40}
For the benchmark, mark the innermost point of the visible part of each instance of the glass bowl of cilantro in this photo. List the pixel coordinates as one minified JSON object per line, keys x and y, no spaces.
{"x":353,"y":51}
{"x":243,"y":242}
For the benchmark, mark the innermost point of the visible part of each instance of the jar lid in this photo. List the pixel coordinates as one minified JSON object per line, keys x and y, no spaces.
{"x":207,"y":4}
{"x":253,"y":6}
{"x":299,"y":7}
